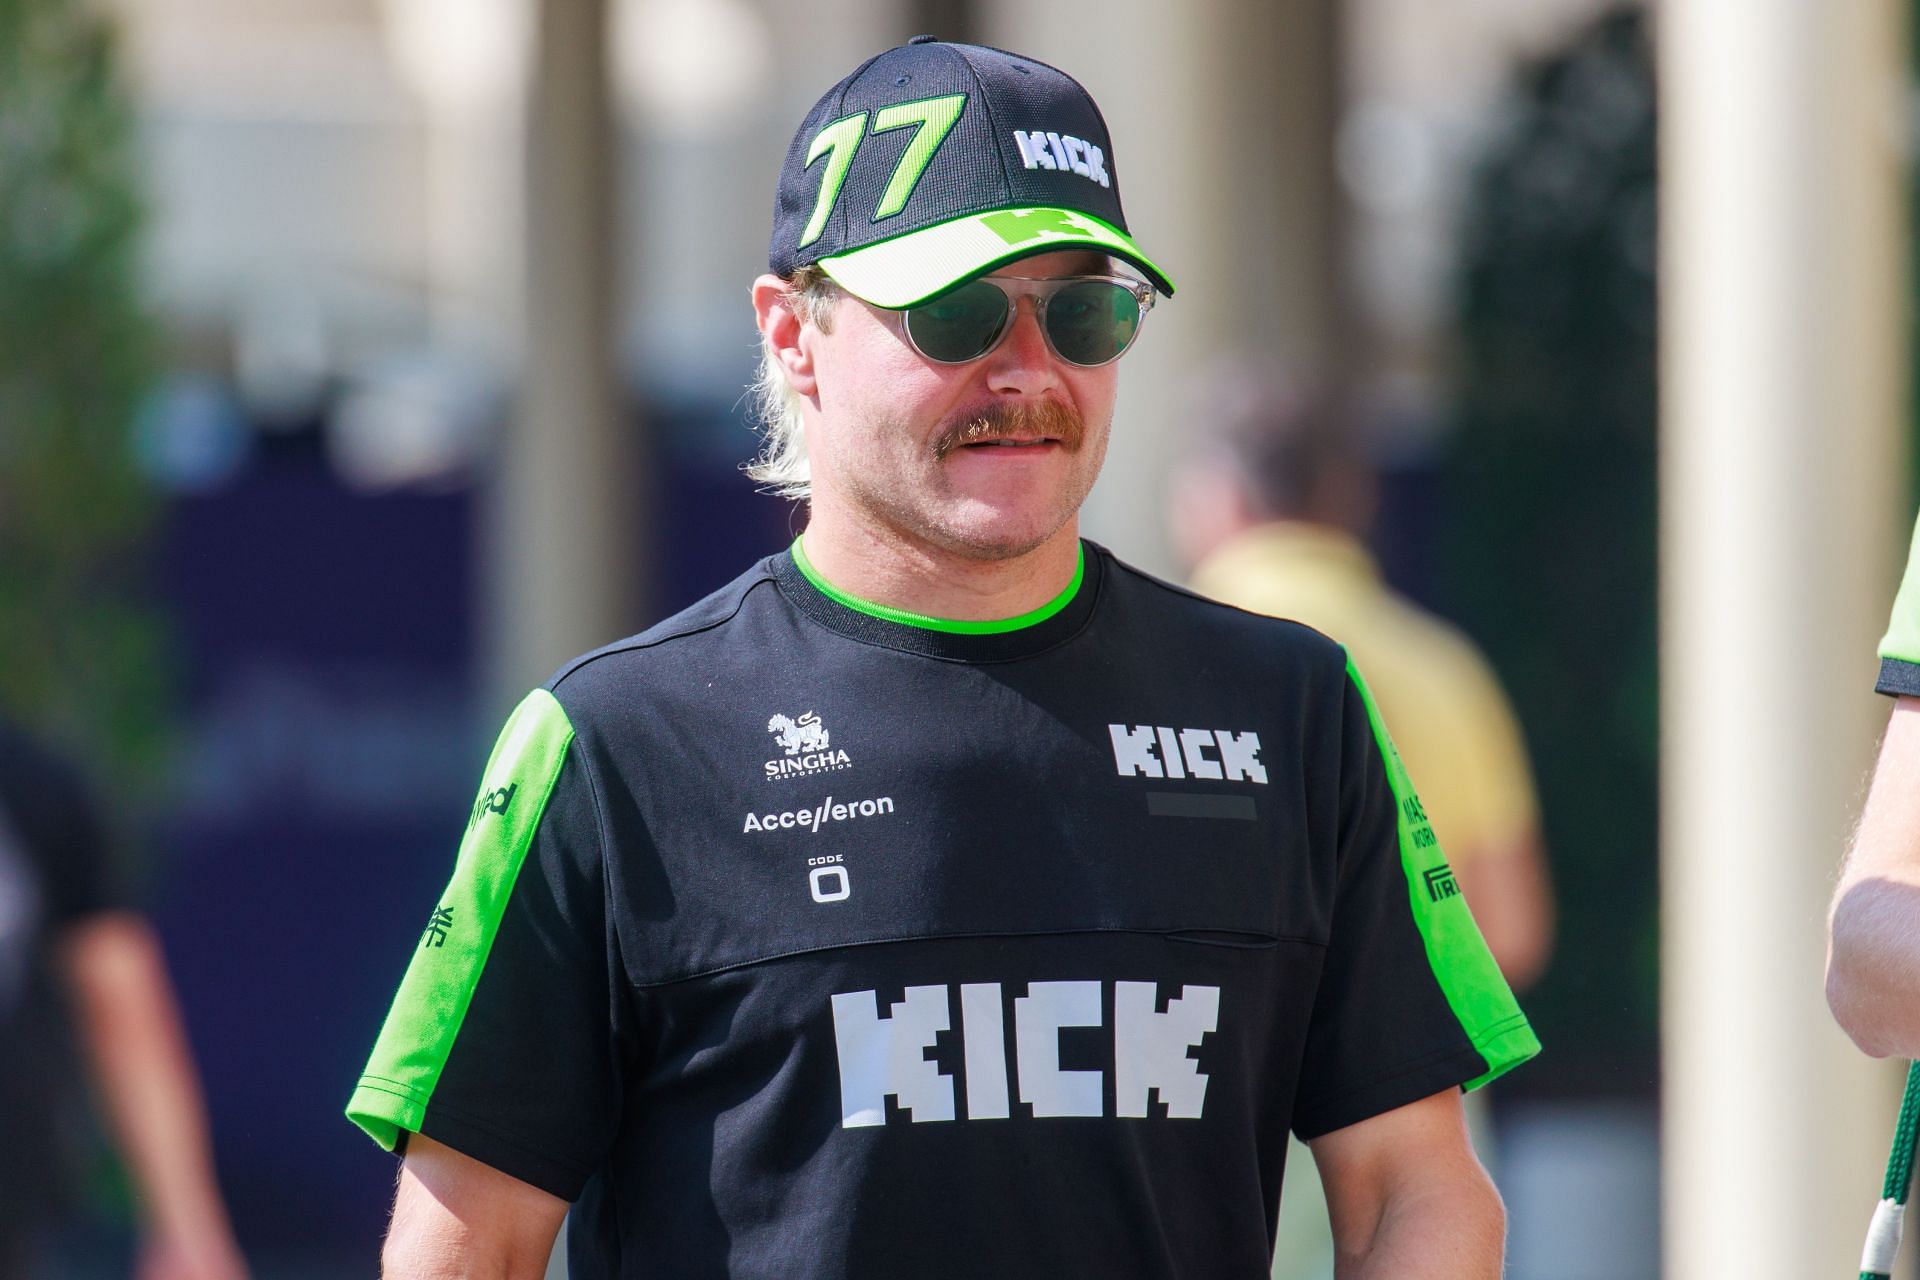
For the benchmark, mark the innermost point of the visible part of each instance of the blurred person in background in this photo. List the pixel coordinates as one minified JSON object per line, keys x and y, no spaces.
{"x":64,"y":933}
{"x":1873,"y":956}
{"x":80,"y":973}
{"x":728,"y":994}
{"x":1272,"y":507}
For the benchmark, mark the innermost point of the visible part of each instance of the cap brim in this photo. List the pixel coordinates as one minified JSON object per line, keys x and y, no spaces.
{"x":909,"y":269}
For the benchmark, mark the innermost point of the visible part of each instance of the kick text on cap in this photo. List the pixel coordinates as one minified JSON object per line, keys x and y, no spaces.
{"x":1043,"y":150}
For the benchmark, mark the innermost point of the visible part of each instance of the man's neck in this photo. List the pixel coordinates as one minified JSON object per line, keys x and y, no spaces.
{"x":901,"y":573}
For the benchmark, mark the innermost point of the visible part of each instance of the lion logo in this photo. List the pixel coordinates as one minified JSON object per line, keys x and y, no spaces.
{"x":798,"y":737}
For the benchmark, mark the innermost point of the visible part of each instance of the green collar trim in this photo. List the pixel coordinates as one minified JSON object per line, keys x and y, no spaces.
{"x":952,"y":626}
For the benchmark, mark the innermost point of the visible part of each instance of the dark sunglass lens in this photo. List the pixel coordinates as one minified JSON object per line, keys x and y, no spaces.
{"x":959,"y":325}
{"x":1092,"y":321}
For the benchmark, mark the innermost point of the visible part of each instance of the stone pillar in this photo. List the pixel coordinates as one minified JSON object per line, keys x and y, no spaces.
{"x":1783,"y":274}
{"x":565,"y":564}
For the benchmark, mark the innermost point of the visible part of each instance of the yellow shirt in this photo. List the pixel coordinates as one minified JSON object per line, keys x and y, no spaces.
{"x":1442,"y":704}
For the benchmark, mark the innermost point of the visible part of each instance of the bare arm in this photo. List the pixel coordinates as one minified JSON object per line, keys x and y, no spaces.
{"x":1873,"y":954}
{"x":455,"y":1218}
{"x":1508,"y":888}
{"x":1407,"y":1196}
{"x":144,"y":1072}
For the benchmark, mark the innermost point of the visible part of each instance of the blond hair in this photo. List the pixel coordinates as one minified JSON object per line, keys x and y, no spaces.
{"x":781,"y":465}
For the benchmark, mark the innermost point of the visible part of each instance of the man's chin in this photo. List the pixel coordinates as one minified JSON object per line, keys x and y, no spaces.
{"x":986,"y":530}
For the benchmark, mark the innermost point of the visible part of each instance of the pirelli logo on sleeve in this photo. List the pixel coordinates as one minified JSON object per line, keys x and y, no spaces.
{"x":1440,"y":883}
{"x":1160,"y":751}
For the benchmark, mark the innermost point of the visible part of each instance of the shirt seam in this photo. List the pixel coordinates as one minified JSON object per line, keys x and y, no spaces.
{"x":398,"y":1089}
{"x":1272,"y":940}
{"x":617,"y":960}
{"x":993,"y":124}
{"x":636,"y":643}
{"x":1496,"y":1030}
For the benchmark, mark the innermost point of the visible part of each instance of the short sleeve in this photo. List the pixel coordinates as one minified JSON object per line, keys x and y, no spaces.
{"x":499,"y":1043}
{"x":1410,"y":1001}
{"x":1900,"y":647}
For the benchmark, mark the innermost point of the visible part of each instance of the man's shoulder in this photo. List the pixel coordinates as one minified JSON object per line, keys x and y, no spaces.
{"x":1156,"y":603}
{"x":611,"y":671}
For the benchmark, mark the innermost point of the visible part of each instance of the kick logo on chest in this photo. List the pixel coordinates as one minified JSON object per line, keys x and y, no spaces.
{"x":1160,"y":751}
{"x":886,"y":1056}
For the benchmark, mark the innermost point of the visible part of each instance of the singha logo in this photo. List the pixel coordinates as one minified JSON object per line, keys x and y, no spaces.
{"x":798,"y":736}
{"x":806,"y":743}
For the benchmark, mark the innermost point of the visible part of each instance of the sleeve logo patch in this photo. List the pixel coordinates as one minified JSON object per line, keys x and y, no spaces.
{"x":496,"y":801}
{"x":1415,"y":817}
{"x":1440,"y":883}
{"x":438,"y":926}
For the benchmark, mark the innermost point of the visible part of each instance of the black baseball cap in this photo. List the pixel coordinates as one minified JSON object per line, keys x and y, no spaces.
{"x":935,"y":162}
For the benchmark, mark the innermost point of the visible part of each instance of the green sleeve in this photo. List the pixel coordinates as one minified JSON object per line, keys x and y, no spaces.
{"x":1900,"y":646}
{"x":1481,"y":1001}
{"x":1902,"y":641}
{"x":408,"y":1060}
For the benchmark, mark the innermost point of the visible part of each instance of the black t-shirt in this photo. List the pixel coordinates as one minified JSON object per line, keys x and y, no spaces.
{"x":53,"y":872}
{"x":796,"y":937}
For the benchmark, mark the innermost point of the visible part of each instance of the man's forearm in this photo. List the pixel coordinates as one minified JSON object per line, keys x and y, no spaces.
{"x":456,"y":1219}
{"x":1451,"y":1231}
{"x":1873,"y":959}
{"x":436,"y":1248}
{"x":1873,"y":967}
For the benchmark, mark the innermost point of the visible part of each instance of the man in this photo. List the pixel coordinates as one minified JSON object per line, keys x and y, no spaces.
{"x":1271,"y":507}
{"x":943,"y":898}
{"x":64,"y":933}
{"x":1873,"y":957}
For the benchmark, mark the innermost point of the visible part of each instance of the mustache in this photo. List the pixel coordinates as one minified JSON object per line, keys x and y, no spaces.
{"x":1011,"y":422}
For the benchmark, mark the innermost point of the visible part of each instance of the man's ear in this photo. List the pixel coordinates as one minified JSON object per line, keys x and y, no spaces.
{"x":782,"y":326}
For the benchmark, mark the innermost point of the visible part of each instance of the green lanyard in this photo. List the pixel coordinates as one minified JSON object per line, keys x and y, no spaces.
{"x":1883,"y":1237}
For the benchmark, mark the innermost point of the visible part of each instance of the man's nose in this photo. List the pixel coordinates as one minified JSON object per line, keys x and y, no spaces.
{"x":1023,"y":363}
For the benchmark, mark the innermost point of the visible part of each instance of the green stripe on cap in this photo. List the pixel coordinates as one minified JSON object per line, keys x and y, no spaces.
{"x":909,"y":269}
{"x":1902,"y":641}
{"x":432,"y":1002}
{"x":953,"y":626}
{"x":1482,"y":1002}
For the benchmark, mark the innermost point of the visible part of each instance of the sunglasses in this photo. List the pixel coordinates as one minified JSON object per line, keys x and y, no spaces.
{"x":1088,"y":320}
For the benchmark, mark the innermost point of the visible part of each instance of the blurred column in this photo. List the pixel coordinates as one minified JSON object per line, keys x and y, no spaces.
{"x":467,"y":62}
{"x":1783,"y":272}
{"x":565,"y":566}
{"x":951,"y":20}
{"x":1222,"y":114}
